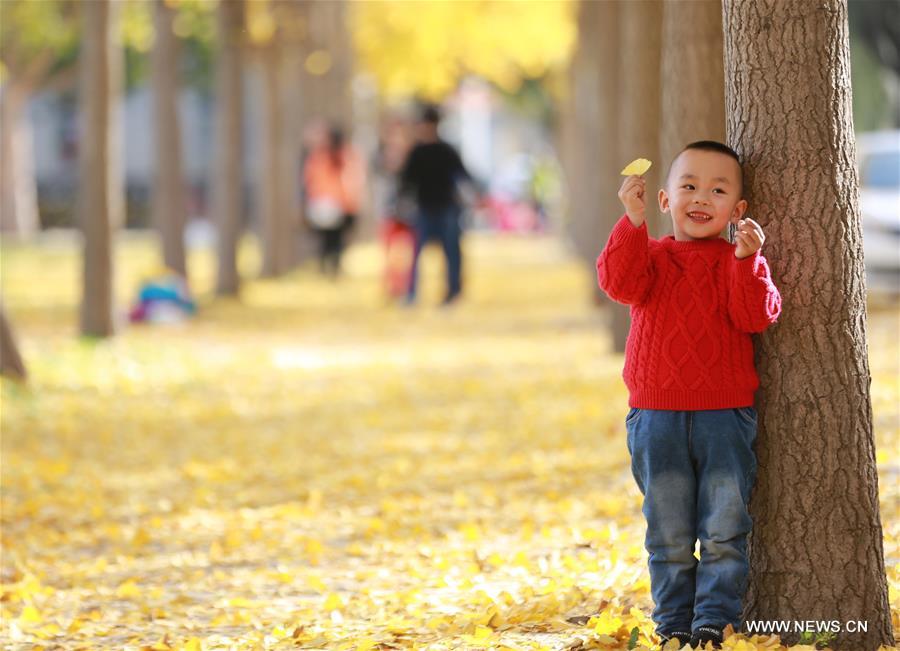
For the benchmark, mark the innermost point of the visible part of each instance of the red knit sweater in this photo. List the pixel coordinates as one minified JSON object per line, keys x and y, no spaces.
{"x":693,"y":307}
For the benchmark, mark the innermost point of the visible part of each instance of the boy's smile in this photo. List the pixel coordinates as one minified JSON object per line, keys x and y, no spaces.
{"x":703,"y":193}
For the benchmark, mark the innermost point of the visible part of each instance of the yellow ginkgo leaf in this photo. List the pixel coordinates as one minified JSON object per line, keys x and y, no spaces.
{"x":30,"y":615}
{"x":483,"y":632}
{"x":128,"y":589}
{"x":193,"y":644}
{"x":333,"y":602}
{"x":637,"y":166}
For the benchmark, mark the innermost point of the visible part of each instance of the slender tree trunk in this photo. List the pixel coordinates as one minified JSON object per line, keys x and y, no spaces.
{"x":116,"y":164}
{"x":640,"y":26}
{"x":816,"y":547}
{"x":228,"y":180}
{"x":11,"y":364}
{"x":273,"y":213}
{"x":328,"y":33}
{"x":292,"y":32}
{"x":586,"y":99}
{"x":97,"y":200}
{"x":693,"y":81}
{"x":567,"y":135}
{"x":309,"y":111}
{"x":18,"y":188}
{"x":169,"y":213}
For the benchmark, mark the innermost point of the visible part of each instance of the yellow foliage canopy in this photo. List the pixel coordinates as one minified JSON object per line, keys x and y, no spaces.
{"x":425,"y":47}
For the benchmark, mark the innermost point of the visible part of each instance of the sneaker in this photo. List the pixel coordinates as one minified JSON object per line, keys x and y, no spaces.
{"x":683,"y":637}
{"x":704,"y":634}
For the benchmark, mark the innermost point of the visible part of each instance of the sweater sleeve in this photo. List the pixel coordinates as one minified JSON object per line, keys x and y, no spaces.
{"x":754,"y":302}
{"x":624,"y":268}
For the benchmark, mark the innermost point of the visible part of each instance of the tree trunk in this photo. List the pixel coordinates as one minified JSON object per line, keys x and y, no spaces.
{"x":330,"y":97}
{"x":292,"y":32}
{"x":585,"y":103}
{"x":640,"y":28}
{"x":228,"y":180}
{"x":693,"y":82}
{"x":97,"y":201}
{"x":816,"y":547}
{"x":11,"y":364}
{"x":18,"y":188}
{"x":169,"y":213}
{"x":307,"y":244}
{"x":274,"y":224}
{"x":569,"y":146}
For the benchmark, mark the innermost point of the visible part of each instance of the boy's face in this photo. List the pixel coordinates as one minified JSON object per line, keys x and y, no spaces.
{"x":703,"y":193}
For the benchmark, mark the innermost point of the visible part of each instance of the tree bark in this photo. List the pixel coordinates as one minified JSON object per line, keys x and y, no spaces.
{"x":169,"y":212}
{"x":11,"y":364}
{"x":274,"y":216}
{"x":693,"y":82}
{"x":330,"y":97}
{"x":585,"y":102}
{"x":292,"y":31}
{"x":640,"y":28}
{"x":816,"y":547}
{"x":18,"y":190}
{"x":97,"y":191}
{"x":228,"y":180}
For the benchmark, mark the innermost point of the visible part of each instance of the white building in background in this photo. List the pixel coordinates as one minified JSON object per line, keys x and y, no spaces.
{"x":55,"y":120}
{"x":496,"y":144}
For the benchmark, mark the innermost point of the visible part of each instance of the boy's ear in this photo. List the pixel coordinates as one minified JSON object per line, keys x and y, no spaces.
{"x":663,"y":199}
{"x":739,"y":209}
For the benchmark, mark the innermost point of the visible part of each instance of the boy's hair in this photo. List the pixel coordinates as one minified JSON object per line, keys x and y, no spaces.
{"x":712,"y":145}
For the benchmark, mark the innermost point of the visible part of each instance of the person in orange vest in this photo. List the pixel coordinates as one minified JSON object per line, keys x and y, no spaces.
{"x":334,"y":178}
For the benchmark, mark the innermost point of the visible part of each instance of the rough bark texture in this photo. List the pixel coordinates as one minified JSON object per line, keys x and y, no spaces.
{"x":100,"y":63}
{"x":693,"y":82}
{"x":11,"y":364}
{"x":169,"y":212}
{"x":640,"y":27}
{"x":816,"y":547}
{"x":228,"y":180}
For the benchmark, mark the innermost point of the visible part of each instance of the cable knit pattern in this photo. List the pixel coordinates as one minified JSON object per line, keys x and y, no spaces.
{"x":693,"y":307}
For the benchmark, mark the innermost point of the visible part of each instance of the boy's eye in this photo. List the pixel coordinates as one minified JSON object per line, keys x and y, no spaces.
{"x":719,"y":190}
{"x":688,"y":186}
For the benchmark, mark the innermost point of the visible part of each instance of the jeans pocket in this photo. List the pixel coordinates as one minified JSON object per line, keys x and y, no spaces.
{"x":629,"y":429}
{"x":747,"y":414}
{"x":632,"y":415}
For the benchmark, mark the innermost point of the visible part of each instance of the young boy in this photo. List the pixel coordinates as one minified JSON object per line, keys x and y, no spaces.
{"x":695,"y":298}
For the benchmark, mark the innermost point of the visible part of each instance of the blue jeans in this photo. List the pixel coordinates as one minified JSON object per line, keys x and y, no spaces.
{"x":441,"y":224}
{"x":695,"y":470}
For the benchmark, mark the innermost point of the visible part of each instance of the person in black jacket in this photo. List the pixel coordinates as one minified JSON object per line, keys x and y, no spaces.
{"x":431,"y":174}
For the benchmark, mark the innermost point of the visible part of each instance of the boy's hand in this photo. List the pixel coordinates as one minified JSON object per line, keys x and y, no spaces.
{"x":749,"y":238}
{"x":631,"y":194}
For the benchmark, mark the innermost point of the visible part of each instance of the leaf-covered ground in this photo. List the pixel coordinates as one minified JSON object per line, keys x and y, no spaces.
{"x":312,"y":467}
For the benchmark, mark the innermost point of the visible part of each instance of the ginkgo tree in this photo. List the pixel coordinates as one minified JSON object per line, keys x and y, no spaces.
{"x":37,"y":41}
{"x":425,"y":48}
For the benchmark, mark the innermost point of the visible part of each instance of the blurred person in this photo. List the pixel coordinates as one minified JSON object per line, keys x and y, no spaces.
{"x":431,"y":175}
{"x":334,"y":178}
{"x":397,"y":211}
